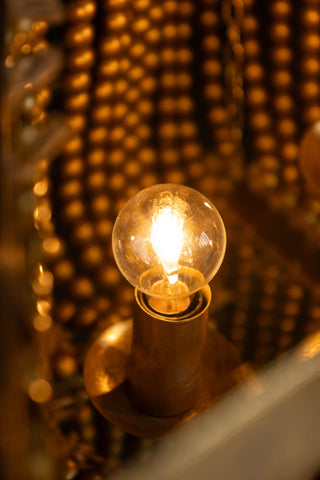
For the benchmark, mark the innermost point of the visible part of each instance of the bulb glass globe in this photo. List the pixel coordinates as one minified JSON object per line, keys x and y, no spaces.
{"x":168,"y":242}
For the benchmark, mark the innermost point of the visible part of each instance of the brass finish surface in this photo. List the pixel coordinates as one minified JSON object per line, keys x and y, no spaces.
{"x":166,"y":357}
{"x":105,"y":374}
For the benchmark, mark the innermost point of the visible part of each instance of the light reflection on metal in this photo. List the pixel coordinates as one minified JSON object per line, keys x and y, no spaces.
{"x":310,"y":348}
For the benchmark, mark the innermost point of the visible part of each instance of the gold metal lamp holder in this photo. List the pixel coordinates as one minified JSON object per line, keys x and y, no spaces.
{"x":148,"y":375}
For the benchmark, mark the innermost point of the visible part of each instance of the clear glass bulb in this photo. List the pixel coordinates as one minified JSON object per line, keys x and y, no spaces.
{"x":169,"y":241}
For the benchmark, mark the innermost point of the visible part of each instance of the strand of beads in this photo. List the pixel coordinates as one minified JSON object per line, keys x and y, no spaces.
{"x":282,"y":93}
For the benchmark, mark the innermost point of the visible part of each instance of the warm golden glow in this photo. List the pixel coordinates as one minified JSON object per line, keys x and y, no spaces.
{"x":40,"y":390}
{"x":167,"y":240}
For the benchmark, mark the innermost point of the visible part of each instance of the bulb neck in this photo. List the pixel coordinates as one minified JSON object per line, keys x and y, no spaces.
{"x":166,"y":356}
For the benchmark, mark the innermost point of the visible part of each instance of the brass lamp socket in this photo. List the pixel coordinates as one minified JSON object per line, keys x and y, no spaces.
{"x":167,"y":355}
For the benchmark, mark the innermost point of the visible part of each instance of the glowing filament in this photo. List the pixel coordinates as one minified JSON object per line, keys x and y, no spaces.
{"x":167,"y":240}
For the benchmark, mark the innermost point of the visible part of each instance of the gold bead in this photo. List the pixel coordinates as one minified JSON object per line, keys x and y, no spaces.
{"x":310,"y":17}
{"x":310,"y":65}
{"x":81,"y":10}
{"x":290,"y":174}
{"x":141,"y":5}
{"x":310,"y":42}
{"x":116,"y":157}
{"x":281,"y":8}
{"x":169,"y":31}
{"x":281,"y":55}
{"x":287,"y":127}
{"x":151,"y":60}
{"x":64,"y":311}
{"x":109,"y":68}
{"x":73,"y":211}
{"x":221,"y":134}
{"x":256,"y":96}
{"x":309,"y":90}
{"x":98,"y":136}
{"x":116,"y":22}
{"x":117,"y":181}
{"x":155,"y":13}
{"x":110,"y":46}
{"x":101,"y":113}
{"x":80,"y":59}
{"x":97,"y":180}
{"x":96,"y":158}
{"x":281,"y":79}
{"x":283,"y":103}
{"x":77,"y":122}
{"x":130,"y":143}
{"x":140,"y":25}
{"x":86,"y":316}
{"x":212,"y":68}
{"x":184,"y":56}
{"x":117,"y":134}
{"x":212,"y":43}
{"x":254,"y":72}
{"x":72,"y":167}
{"x":124,"y":65}
{"x":137,"y":50}
{"x":79,"y":35}
{"x":186,"y":8}
{"x":131,"y":120}
{"x":74,"y":146}
{"x":210,"y":19}
{"x":82,"y":233}
{"x":63,"y":271}
{"x":77,"y":81}
{"x":169,"y":156}
{"x":265,"y":143}
{"x":103,"y":228}
{"x":148,"y":179}
{"x":167,"y":130}
{"x":187,"y":129}
{"x":218,"y":115}
{"x":168,"y":56}
{"x":70,"y":188}
{"x":153,"y":36}
{"x":148,"y":84}
{"x":145,"y":108}
{"x":77,"y":102}
{"x":91,"y":256}
{"x":167,"y":105}
{"x":108,"y":277}
{"x":147,"y":156}
{"x":280,"y":32}
{"x":103,"y":91}
{"x":259,"y":121}
{"x":250,"y":25}
{"x":170,"y":7}
{"x":269,"y":162}
{"x":119,"y":111}
{"x":136,"y":73}
{"x":311,"y":114}
{"x":82,"y":287}
{"x":121,"y":86}
{"x":251,"y":48}
{"x":184,"y":31}
{"x":174,"y":176}
{"x":191,"y":151}
{"x":289,"y":151}
{"x":184,"y":104}
{"x":132,"y":169}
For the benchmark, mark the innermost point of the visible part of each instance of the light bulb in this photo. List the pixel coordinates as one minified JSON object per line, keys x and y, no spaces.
{"x":169,"y":241}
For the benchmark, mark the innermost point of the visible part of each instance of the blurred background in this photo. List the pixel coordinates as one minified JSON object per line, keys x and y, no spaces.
{"x":100,"y":99}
